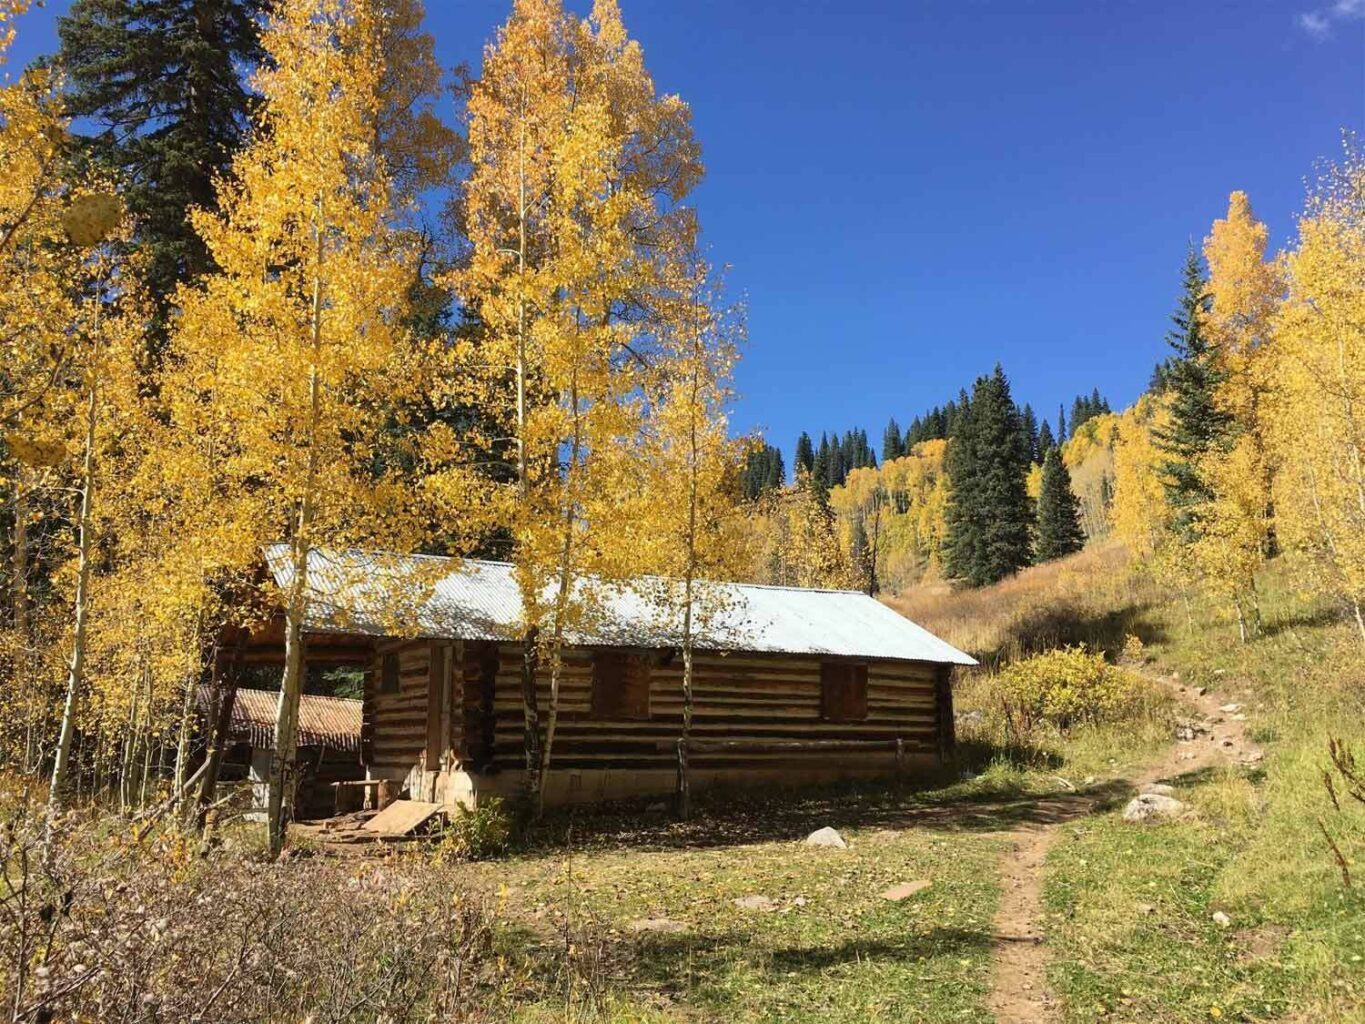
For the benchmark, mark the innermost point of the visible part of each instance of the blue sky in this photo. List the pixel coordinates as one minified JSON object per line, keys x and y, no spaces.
{"x":907,"y":193}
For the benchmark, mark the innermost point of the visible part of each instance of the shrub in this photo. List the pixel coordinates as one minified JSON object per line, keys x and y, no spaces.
{"x":1064,"y":687}
{"x":475,"y":835}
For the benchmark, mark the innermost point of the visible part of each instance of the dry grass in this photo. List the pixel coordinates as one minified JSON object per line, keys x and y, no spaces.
{"x":1092,"y":598}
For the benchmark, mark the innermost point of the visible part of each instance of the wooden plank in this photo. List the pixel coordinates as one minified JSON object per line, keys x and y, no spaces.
{"x":402,"y":817}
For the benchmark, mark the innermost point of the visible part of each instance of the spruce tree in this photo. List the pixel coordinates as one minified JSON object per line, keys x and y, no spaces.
{"x":805,"y":453}
{"x":1029,"y":424}
{"x":1059,"y":511}
{"x":891,"y":441}
{"x":162,"y":87}
{"x":1062,"y":435}
{"x":1046,"y":441}
{"x":989,"y":515}
{"x":1197,"y":426}
{"x":820,"y":473}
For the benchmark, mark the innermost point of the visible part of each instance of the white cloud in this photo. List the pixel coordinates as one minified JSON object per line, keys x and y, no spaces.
{"x":1318,"y":23}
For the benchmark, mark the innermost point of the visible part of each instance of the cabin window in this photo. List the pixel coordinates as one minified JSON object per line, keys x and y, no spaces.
{"x":620,"y":685}
{"x":388,"y":673}
{"x":843,"y":691}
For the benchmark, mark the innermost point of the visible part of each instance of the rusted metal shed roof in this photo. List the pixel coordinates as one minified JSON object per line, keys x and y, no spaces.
{"x":380,"y":594}
{"x":332,"y":722}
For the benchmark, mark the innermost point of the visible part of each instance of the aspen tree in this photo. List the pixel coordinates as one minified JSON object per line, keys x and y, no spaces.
{"x":1317,"y":417}
{"x":573,"y":211}
{"x":288,"y":356}
{"x":688,"y":491}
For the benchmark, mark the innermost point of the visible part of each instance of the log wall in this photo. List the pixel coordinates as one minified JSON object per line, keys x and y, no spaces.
{"x":740,"y":698}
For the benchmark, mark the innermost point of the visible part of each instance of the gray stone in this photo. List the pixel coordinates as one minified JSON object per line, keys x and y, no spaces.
{"x":1230,"y":709}
{"x":657,"y":924}
{"x":755,"y":903}
{"x":1151,"y":807}
{"x":1159,"y":789}
{"x":828,"y":838}
{"x":1221,"y":919}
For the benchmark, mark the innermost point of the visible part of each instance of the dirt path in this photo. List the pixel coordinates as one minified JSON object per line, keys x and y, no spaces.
{"x":1019,"y":992}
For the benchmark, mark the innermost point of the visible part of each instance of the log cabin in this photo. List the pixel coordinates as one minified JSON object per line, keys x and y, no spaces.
{"x":790,"y":685}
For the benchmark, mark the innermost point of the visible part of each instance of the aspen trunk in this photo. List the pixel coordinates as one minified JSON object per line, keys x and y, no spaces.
{"x":225,"y":697}
{"x":182,"y":743}
{"x":280,"y":782}
{"x":75,"y":676}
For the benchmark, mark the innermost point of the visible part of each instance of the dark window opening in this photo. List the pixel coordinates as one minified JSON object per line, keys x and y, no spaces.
{"x":843,"y":691}
{"x":388,"y":676}
{"x":620,"y":685}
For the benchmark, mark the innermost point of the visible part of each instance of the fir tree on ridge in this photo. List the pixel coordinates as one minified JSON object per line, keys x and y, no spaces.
{"x":990,"y":516}
{"x":1059,"y":511}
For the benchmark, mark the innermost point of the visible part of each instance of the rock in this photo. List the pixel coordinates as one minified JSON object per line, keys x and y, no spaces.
{"x":657,"y":924}
{"x":1253,"y":757}
{"x":828,"y":838}
{"x":1227,"y":742}
{"x":1239,"y":718}
{"x":1201,"y":691}
{"x":1230,"y":709}
{"x":1089,"y":780}
{"x":1221,"y":919}
{"x":1146,"y":908}
{"x":1150,"y":807}
{"x":755,"y":903}
{"x":1159,"y":789}
{"x":800,"y":901}
{"x":905,"y":890}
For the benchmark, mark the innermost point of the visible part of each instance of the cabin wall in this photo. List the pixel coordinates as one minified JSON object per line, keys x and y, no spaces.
{"x":740,"y":698}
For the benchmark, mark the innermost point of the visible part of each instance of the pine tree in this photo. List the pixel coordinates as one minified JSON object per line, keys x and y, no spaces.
{"x":161,"y":83}
{"x":1198,"y":426}
{"x":989,"y":515}
{"x":1062,"y":435}
{"x":805,"y":454}
{"x":891,"y":441}
{"x":1059,"y":511}
{"x":1029,"y":424}
{"x":820,"y":471}
{"x":1046,"y":442}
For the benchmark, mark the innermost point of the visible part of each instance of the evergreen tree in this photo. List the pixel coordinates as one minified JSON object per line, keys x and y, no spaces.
{"x":891,"y":441}
{"x":1198,"y":426}
{"x":1029,"y":423}
{"x":161,"y":84}
{"x":1062,"y":435}
{"x":1059,"y":511}
{"x":777,"y":470}
{"x":989,"y":514}
{"x":1046,"y":442}
{"x":820,"y":473}
{"x":805,"y":453}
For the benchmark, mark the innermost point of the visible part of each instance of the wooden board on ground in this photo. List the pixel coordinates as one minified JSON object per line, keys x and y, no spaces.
{"x":401,"y":817}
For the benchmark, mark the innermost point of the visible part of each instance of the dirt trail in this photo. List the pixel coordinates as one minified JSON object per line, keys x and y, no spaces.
{"x":1019,"y":992}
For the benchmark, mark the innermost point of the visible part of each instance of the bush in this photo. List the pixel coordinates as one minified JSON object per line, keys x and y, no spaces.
{"x":475,"y":835}
{"x":1064,"y":687}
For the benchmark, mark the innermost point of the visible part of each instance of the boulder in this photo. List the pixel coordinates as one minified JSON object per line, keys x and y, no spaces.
{"x":1152,"y":807}
{"x":828,"y":838}
{"x":1159,"y":789}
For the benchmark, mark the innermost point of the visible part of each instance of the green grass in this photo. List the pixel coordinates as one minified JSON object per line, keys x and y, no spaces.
{"x":1296,"y":947}
{"x":830,"y":949}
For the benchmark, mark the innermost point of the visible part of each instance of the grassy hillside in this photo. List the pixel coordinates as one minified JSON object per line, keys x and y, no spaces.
{"x":1131,"y":909}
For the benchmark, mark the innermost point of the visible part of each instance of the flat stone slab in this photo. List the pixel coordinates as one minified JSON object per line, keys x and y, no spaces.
{"x":755,"y":903}
{"x":664,"y":925}
{"x":906,"y":889}
{"x":1150,"y":807}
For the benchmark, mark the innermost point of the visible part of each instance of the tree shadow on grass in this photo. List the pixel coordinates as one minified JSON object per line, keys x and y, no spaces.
{"x":1063,"y":624}
{"x":755,"y":817}
{"x":656,"y":958}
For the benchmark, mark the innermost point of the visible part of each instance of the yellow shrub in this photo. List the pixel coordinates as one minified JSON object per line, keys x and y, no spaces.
{"x":1064,"y":686}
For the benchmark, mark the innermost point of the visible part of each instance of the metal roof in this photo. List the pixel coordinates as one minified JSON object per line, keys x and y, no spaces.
{"x":381,"y":594}
{"x":332,"y":722}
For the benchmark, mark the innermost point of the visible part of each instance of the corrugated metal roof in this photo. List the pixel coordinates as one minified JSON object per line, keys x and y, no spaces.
{"x":380,"y":594}
{"x":323,"y":721}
